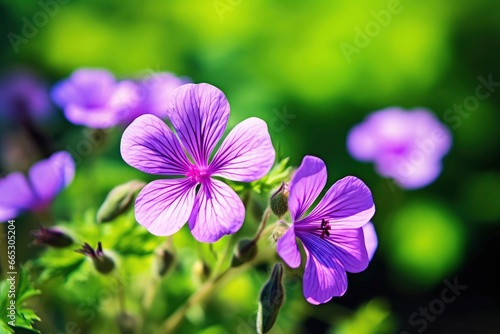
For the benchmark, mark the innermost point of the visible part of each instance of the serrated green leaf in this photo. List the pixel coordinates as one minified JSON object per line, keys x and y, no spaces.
{"x":24,"y":317}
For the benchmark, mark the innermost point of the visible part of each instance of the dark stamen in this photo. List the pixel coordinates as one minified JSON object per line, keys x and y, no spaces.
{"x":325,"y":227}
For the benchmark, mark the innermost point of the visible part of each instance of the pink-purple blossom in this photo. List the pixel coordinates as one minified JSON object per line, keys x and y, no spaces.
{"x":35,"y":191}
{"x":407,"y":146}
{"x":332,"y":233}
{"x":199,"y":114}
{"x":93,"y":97}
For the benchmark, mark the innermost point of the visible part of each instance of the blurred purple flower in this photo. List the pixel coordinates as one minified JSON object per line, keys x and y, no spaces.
{"x":92,"y":97}
{"x":332,"y":233}
{"x":199,"y":115}
{"x":35,"y":191}
{"x":404,"y":145}
{"x":23,"y":95}
{"x":153,"y":94}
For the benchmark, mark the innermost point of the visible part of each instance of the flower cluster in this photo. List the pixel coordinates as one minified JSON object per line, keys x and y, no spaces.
{"x":94,"y":98}
{"x":333,"y":234}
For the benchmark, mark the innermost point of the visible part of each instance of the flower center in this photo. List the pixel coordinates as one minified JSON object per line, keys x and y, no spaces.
{"x":197,"y":174}
{"x":325,"y":228}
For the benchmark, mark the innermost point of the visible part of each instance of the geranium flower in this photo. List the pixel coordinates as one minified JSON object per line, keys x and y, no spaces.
{"x":199,"y":115}
{"x":406,"y":146}
{"x":332,"y":233}
{"x":35,"y":191}
{"x":92,"y":97}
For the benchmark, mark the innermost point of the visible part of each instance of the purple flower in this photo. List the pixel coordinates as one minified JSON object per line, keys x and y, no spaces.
{"x":154,"y":92}
{"x":404,"y":145}
{"x":199,"y":115}
{"x":23,"y":95}
{"x":35,"y":191}
{"x":332,"y":233}
{"x":92,"y":97}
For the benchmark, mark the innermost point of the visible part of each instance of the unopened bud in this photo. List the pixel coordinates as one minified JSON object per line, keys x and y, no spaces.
{"x":118,"y":201}
{"x":51,"y":237}
{"x":164,"y":259}
{"x":201,"y":270}
{"x":102,"y":263}
{"x":244,"y":251}
{"x":279,"y":230}
{"x":127,"y":323}
{"x":279,"y":200}
{"x":271,"y":300}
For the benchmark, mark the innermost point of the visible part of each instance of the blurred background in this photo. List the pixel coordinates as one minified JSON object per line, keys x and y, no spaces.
{"x":311,"y":70}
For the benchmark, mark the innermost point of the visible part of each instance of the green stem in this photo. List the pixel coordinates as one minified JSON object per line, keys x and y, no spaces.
{"x":224,"y":258}
{"x":265,"y":218}
{"x":202,"y":294}
{"x":121,"y":293}
{"x":152,"y":288}
{"x":149,"y":295}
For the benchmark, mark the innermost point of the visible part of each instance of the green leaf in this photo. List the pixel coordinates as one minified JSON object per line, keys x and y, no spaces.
{"x":24,"y":316}
{"x":265,"y":185}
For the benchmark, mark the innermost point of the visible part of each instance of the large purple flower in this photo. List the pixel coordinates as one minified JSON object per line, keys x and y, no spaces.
{"x":199,"y":115}
{"x":35,"y":191}
{"x":92,"y":97}
{"x":404,"y":145}
{"x":332,"y":233}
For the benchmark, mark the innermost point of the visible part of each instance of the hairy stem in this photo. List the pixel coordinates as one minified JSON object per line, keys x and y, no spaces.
{"x":265,"y":218}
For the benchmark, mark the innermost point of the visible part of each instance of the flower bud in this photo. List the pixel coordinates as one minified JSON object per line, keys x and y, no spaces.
{"x":102,"y":263}
{"x":244,"y":251}
{"x":127,"y":323}
{"x":51,"y":237}
{"x":201,"y":270}
{"x":279,"y":200}
{"x":279,"y":230}
{"x":118,"y":201}
{"x":164,"y":259}
{"x":271,"y":300}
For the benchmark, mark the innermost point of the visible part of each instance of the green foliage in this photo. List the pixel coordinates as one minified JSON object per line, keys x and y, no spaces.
{"x":123,"y":238}
{"x":25,"y":317}
{"x":280,"y":172}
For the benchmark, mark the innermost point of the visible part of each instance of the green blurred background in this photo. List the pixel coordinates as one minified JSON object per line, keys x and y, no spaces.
{"x":286,"y":62}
